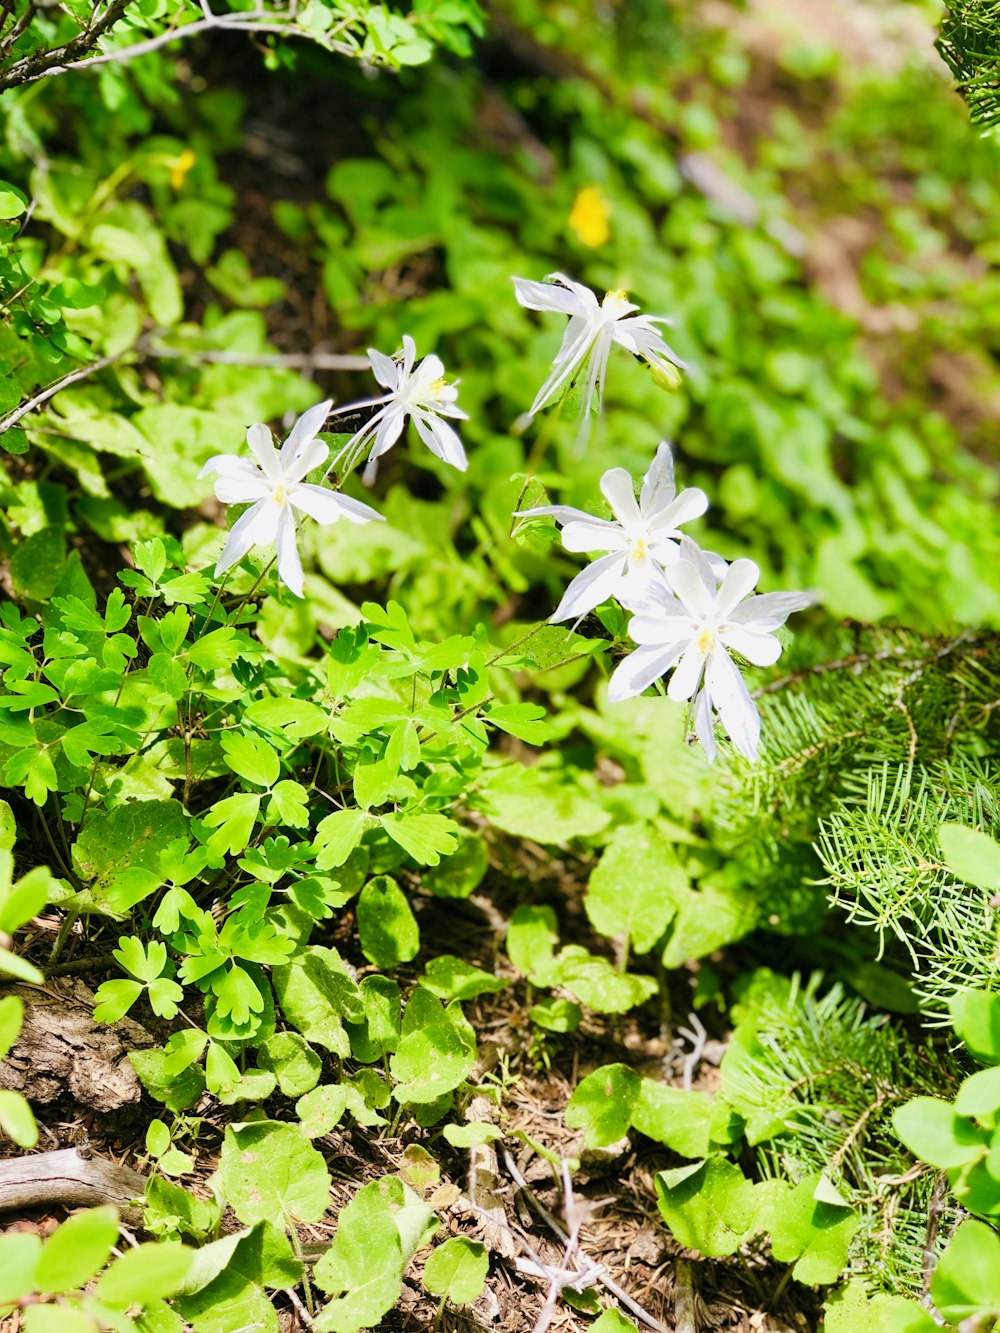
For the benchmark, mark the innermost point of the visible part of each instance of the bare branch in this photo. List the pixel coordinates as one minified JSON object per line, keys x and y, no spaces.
{"x":43,"y":65}
{"x":276,"y":360}
{"x":80,"y":373}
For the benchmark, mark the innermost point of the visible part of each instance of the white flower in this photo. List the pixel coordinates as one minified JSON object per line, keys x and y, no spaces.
{"x":423,"y":395}
{"x":694,"y":630}
{"x":274,"y":488}
{"x":591,"y":330}
{"x":641,"y":540}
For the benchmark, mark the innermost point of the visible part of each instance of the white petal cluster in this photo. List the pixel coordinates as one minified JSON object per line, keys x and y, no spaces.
{"x":418,"y":393}
{"x":273,"y":485}
{"x":592,"y":329}
{"x":690,"y":626}
{"x":641,"y":540}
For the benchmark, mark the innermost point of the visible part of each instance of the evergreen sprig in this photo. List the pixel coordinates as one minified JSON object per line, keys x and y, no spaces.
{"x":969,"y":43}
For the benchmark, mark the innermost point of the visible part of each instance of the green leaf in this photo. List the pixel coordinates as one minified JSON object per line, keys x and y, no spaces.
{"x":113,"y":999}
{"x":424,"y":837}
{"x":536,"y":804}
{"x":270,"y":1172}
{"x":979,"y":1095}
{"x":613,"y":1321}
{"x":289,"y":805}
{"x":292,"y":1060}
{"x":77,"y":1250}
{"x":315,"y":992}
{"x":601,"y":1104}
{"x":337,"y":836}
{"x":966,"y":1282}
{"x":472,"y":1135}
{"x":976,"y":1016}
{"x":293,"y":718}
{"x":147,"y":1273}
{"x":595,"y":983}
{"x":458,"y":875}
{"x":457,"y":1270}
{"x":933,"y":1132}
{"x":814,"y":1234}
{"x":435,"y":1053}
{"x":449,"y":978}
{"x":233,"y":819}
{"x":20,"y":1252}
{"x":971,"y":856}
{"x":636,"y":888}
{"x":363,"y":1268}
{"x":378,"y":1035}
{"x":556,"y":1015}
{"x":851,"y":1310}
{"x":710,"y":1206}
{"x":532,"y":936}
{"x":525,"y":721}
{"x":115,"y":844}
{"x":12,"y":201}
{"x":681,"y":1120}
{"x":251,"y":757}
{"x":17,"y":1120}
{"x":387,"y":926}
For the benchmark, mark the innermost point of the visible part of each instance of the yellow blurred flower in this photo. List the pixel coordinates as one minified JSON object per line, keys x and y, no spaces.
{"x":590,"y":217}
{"x":180,"y":168}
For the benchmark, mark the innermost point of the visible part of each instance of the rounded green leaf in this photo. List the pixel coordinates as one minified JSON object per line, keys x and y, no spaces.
{"x":17,"y":1119}
{"x":976,"y":1016}
{"x":971,"y":856}
{"x":77,"y":1250}
{"x":387,"y":926}
{"x":457,"y":1270}
{"x":979,"y":1095}
{"x":966,"y":1282}
{"x":147,"y":1273}
{"x":57,"y":1319}
{"x":602,"y":1104}
{"x":930,"y":1128}
{"x":19,"y":1255}
{"x":271,"y":1173}
{"x":12,"y":201}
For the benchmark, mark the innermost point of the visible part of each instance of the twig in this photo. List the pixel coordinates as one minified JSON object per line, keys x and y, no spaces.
{"x":67,"y":1176}
{"x":287,"y":360}
{"x":24,"y":71}
{"x":600,"y":1276}
{"x":81,"y":373}
{"x":40,"y":63}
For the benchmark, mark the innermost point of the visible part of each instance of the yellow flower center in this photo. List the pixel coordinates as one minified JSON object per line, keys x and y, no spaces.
{"x":639,"y":551}
{"x":618,"y":297}
{"x":706,"y":641}
{"x":280,"y":494}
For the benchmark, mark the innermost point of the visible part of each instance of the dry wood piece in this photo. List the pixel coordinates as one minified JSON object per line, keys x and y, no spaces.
{"x":61,"y":1050}
{"x":67,"y":1177}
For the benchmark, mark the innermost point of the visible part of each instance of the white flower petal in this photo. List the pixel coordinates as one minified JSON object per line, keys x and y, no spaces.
{"x":704,"y":724}
{"x":564,"y":369}
{"x":409,"y":355}
{"x":590,"y":588}
{"x":757,"y":646}
{"x":662,"y":628}
{"x":429,"y":370}
{"x":305,"y":429}
{"x":441,"y":439}
{"x":243,"y":490}
{"x":310,"y":454}
{"x":260,"y":442}
{"x":256,"y":527}
{"x":561,"y":513}
{"x":636,"y":673}
{"x":687,"y":674}
{"x":618,"y":490}
{"x":390,"y":427}
{"x":327,"y":506}
{"x":690,"y":504}
{"x":384,"y":368}
{"x":731,"y":697}
{"x":741,"y":579}
{"x":770,"y":609}
{"x":562,"y":296}
{"x":658,"y":489}
{"x":593,"y":534}
{"x":689,"y":586}
{"x":286,"y":541}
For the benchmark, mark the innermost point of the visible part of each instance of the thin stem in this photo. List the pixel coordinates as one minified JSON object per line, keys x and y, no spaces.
{"x":81,"y":373}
